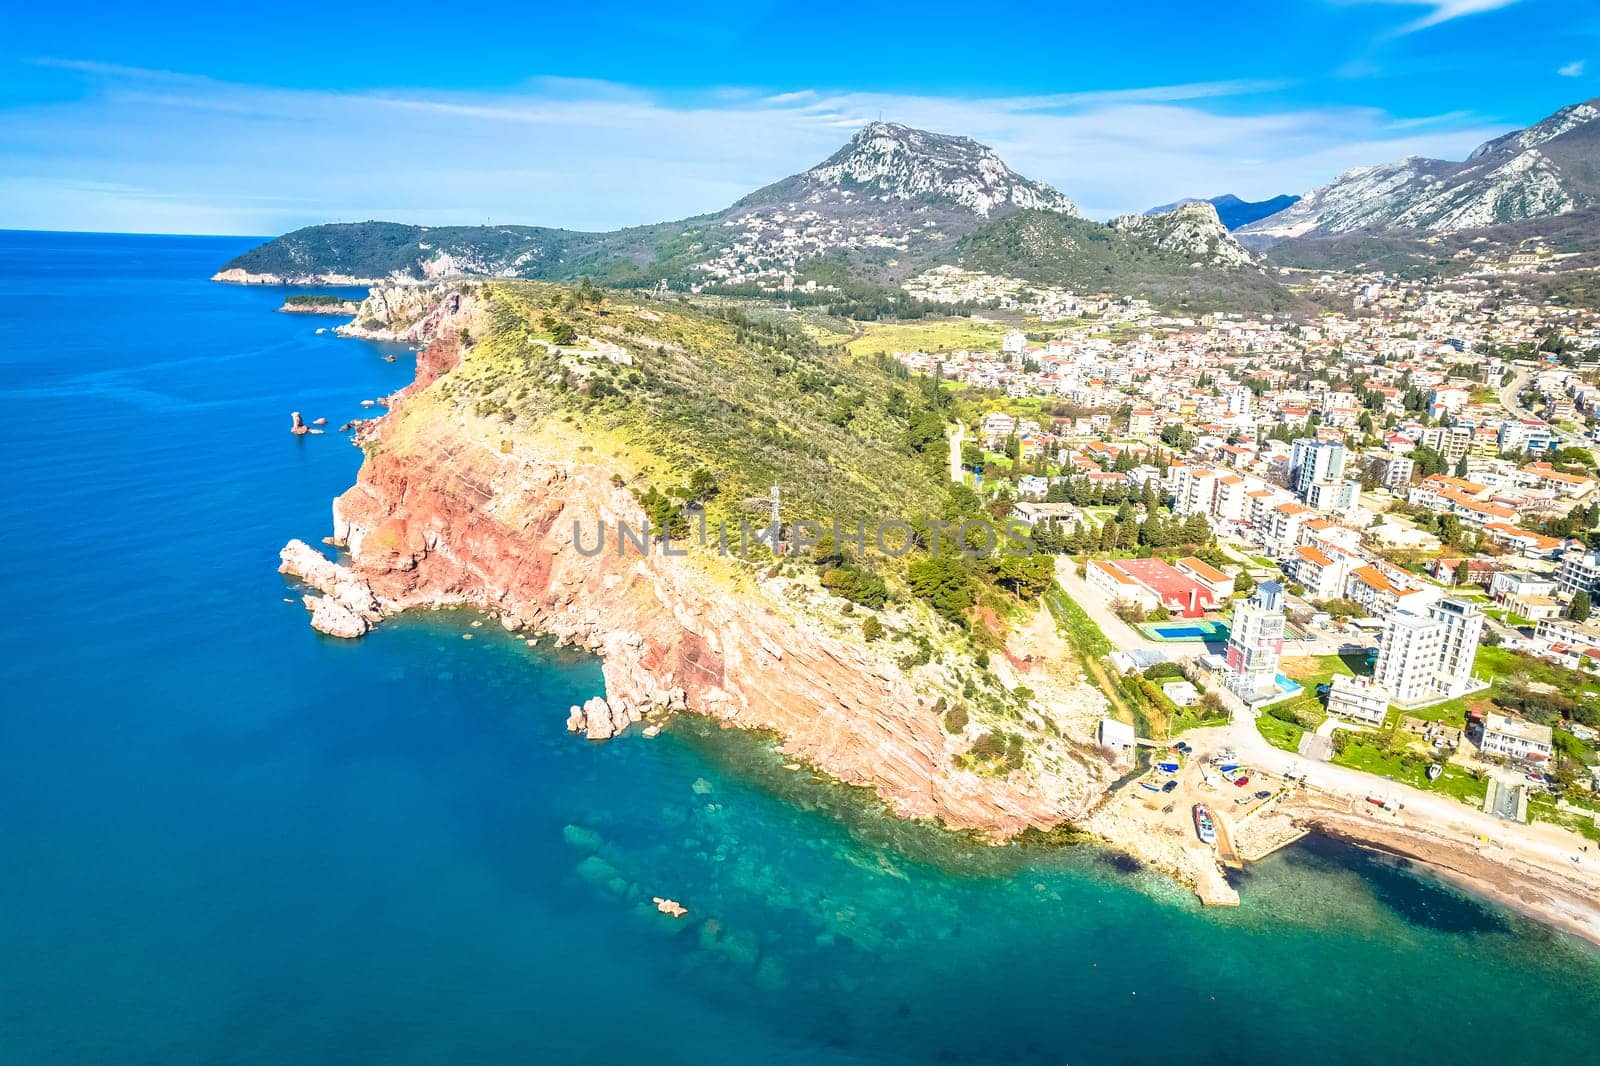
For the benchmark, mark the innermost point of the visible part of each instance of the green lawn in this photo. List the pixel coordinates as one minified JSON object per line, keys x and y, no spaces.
{"x":1306,"y":708}
{"x":1181,"y":721}
{"x":1542,"y":808}
{"x":1280,"y":734}
{"x":1313,"y":670}
{"x":1499,"y":666}
{"x":1450,"y":712}
{"x":1497,"y":663}
{"x":928,"y":336}
{"x":1409,"y":769}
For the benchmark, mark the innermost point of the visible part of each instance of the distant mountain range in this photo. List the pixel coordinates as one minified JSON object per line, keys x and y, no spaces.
{"x":1233,"y":211}
{"x":1545,"y":171}
{"x":891,"y":203}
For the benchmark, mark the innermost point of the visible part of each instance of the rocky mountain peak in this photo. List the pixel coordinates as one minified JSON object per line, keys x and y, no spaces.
{"x":1545,"y":170}
{"x":892,"y":162}
{"x":1191,"y":229}
{"x":1562,"y":122}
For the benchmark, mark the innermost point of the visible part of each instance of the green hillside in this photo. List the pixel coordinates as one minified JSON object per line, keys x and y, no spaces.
{"x":1085,"y":256}
{"x":711,"y":408}
{"x":379,"y":250}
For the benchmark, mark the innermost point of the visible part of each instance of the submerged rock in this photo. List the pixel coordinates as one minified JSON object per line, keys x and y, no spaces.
{"x":597,"y":871}
{"x":582,"y":837}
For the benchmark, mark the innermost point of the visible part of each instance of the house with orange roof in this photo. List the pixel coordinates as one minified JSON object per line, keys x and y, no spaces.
{"x":1119,"y":587}
{"x":1523,"y":541}
{"x":1320,"y":573}
{"x":1380,"y":595}
{"x":1219,"y":584}
{"x":1547,"y":476}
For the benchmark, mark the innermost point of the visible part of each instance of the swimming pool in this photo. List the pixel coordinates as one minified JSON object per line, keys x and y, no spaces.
{"x":1180,"y":631}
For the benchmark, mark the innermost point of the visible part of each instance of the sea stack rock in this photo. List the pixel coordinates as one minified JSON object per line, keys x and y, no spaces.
{"x":297,"y":424}
{"x":600,"y":718}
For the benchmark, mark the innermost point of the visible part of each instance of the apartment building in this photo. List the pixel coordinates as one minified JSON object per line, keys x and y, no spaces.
{"x":1255,"y":643}
{"x":1311,"y":461}
{"x":1407,"y":657}
{"x":1430,"y":658}
{"x":1358,"y":699}
{"x":1514,"y":738}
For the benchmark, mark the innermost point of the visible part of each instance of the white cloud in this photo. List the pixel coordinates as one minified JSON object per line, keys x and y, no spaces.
{"x":1571,"y":70}
{"x":1204,"y":90}
{"x":1442,"y":11}
{"x":156,"y":150}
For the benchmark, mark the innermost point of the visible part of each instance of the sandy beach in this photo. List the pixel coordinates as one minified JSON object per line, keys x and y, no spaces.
{"x":1544,"y":871}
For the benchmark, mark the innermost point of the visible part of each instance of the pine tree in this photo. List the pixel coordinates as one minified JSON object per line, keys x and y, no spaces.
{"x":1580,"y":607}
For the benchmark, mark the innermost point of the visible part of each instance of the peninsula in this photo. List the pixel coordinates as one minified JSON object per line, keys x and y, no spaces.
{"x":957,"y":494}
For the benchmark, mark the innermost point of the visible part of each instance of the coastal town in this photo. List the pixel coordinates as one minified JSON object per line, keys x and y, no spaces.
{"x":874,"y":560}
{"x":1371,"y":535}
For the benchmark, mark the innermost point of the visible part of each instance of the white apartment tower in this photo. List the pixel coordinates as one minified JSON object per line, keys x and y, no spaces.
{"x":1408,"y":657}
{"x":1238,"y":399}
{"x":1312,"y":461}
{"x":1423,"y":659}
{"x":1255,"y":642}
{"x":1462,"y":622}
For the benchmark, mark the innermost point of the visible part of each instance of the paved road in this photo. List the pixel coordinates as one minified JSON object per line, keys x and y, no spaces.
{"x":1512,"y":389}
{"x":1508,"y":399}
{"x":1419,"y":809}
{"x":1123,"y":637}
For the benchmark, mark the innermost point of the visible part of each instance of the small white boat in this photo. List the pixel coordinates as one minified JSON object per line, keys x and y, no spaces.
{"x":1204,"y":827}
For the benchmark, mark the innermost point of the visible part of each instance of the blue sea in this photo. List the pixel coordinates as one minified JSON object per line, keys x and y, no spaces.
{"x":225,"y":839}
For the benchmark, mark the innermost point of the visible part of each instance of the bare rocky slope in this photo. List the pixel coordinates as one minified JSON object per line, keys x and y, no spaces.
{"x":1549,"y":169}
{"x":458,"y":504}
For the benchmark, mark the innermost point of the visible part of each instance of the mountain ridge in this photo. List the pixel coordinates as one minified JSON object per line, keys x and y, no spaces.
{"x":891,"y":202}
{"x":1548,"y":169}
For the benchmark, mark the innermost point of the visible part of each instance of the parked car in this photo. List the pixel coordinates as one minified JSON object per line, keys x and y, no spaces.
{"x":1264,"y":794}
{"x":1241,"y":781}
{"x":1170,"y":786}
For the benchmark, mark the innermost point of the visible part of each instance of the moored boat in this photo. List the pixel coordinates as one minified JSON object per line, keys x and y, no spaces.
{"x":1204,"y":826}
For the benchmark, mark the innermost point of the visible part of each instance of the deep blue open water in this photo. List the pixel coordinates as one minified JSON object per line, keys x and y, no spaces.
{"x":224,"y":839}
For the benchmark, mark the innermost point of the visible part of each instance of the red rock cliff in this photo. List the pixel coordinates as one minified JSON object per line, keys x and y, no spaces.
{"x":448,"y":511}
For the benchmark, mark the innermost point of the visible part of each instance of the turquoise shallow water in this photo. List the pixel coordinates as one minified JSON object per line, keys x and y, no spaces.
{"x":224,"y":839}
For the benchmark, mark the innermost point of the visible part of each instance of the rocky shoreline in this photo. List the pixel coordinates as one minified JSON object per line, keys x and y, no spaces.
{"x":238,"y":276}
{"x":449,"y":510}
{"x":341,"y":309}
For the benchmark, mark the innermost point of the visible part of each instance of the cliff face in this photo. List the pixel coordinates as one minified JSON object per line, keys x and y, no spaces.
{"x":450,"y":509}
{"x":411,"y":314}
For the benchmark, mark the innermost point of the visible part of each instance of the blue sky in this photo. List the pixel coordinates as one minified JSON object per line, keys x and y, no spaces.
{"x":217,"y":118}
